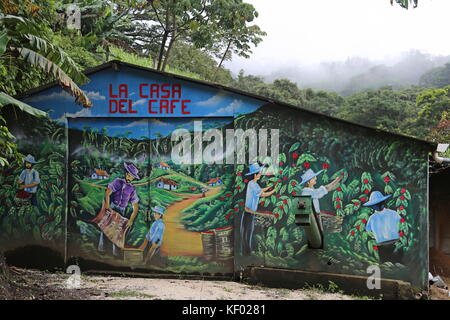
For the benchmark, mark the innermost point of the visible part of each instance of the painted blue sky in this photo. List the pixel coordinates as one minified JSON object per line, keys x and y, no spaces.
{"x":205,"y":101}
{"x":143,"y":128}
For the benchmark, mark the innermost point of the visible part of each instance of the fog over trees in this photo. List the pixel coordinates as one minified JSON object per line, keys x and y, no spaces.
{"x":357,"y":74}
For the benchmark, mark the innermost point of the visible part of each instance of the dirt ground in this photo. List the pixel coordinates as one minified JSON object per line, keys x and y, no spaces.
{"x":38,"y":285}
{"x":144,"y":288}
{"x":26,"y":284}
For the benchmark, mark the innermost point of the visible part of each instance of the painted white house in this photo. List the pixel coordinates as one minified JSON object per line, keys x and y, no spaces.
{"x":166,"y":184}
{"x":163,"y":165}
{"x":98,"y":174}
{"x":215,"y":182}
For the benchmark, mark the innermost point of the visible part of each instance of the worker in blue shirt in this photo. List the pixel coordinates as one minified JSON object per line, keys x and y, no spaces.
{"x":253,"y":194}
{"x":29,"y":181}
{"x":155,"y":234}
{"x":384,"y":223}
{"x":309,"y":178}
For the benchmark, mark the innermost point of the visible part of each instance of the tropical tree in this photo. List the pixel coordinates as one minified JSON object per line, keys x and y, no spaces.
{"x":202,"y":23}
{"x":23,"y":40}
{"x":228,"y":30}
{"x":102,"y":24}
{"x":437,"y":77}
{"x":405,"y":3}
{"x":433,"y":117}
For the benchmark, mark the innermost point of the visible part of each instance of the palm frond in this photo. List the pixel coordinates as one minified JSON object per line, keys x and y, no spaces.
{"x":23,"y":37}
{"x":8,"y":100}
{"x":57,"y":56}
{"x":37,"y":59}
{"x":4,"y":39}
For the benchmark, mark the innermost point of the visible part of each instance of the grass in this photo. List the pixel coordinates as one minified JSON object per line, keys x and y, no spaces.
{"x":310,"y":291}
{"x":127,"y":294}
{"x":164,"y":197}
{"x":119,"y":54}
{"x":283,"y":292}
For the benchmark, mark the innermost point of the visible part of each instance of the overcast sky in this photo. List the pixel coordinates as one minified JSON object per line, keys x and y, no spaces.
{"x":312,"y":31}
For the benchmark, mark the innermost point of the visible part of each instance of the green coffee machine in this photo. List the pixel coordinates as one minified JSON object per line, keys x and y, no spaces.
{"x":307,"y":217}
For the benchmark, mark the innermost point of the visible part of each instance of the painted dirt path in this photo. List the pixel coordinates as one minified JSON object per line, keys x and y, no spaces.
{"x":177,"y":240}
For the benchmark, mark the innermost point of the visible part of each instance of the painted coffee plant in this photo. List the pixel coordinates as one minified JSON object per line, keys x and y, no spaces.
{"x":366,"y":164}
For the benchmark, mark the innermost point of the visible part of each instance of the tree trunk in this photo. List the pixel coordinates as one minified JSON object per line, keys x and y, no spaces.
{"x":172,"y":40}
{"x":161,"y":51}
{"x":225,"y":54}
{"x":164,"y":40}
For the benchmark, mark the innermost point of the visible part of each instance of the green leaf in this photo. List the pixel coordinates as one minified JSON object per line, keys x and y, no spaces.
{"x":4,"y":39}
{"x":8,"y":100}
{"x":291,"y":219}
{"x":407,"y":195}
{"x":273,"y":199}
{"x":50,"y":63}
{"x":294,"y":147}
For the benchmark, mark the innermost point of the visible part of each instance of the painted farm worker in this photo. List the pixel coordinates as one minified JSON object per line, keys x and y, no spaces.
{"x":28,"y":181}
{"x":119,"y":194}
{"x":155,"y":234}
{"x":204,"y":190}
{"x":384,"y":223}
{"x":254,"y":192}
{"x":310,"y":178}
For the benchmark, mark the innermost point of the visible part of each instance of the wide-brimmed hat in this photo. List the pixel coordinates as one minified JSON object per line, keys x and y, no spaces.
{"x":29,"y":158}
{"x":158,"y":209}
{"x":308,"y":175}
{"x":254,"y":168}
{"x":375,"y":198}
{"x":131,"y":169}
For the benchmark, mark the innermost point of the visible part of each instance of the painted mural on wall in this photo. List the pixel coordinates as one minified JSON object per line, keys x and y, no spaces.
{"x":32,"y":195}
{"x":369,"y":192}
{"x":147,"y":211}
{"x":130,"y":204}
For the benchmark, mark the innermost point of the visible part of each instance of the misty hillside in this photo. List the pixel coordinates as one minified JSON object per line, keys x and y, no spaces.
{"x":357,"y":74}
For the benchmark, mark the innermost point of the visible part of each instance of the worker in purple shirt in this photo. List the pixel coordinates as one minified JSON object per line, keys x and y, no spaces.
{"x":118,"y":195}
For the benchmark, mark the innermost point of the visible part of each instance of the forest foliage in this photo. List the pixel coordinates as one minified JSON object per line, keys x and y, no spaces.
{"x":193,"y":38}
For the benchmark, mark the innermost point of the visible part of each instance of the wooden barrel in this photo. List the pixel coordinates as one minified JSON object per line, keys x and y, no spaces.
{"x":224,"y":243}
{"x":209,"y":245}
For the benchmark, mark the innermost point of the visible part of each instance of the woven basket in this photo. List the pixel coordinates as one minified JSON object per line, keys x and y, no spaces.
{"x":22,"y":202}
{"x":263,"y":221}
{"x":331,"y":223}
{"x":209,"y":245}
